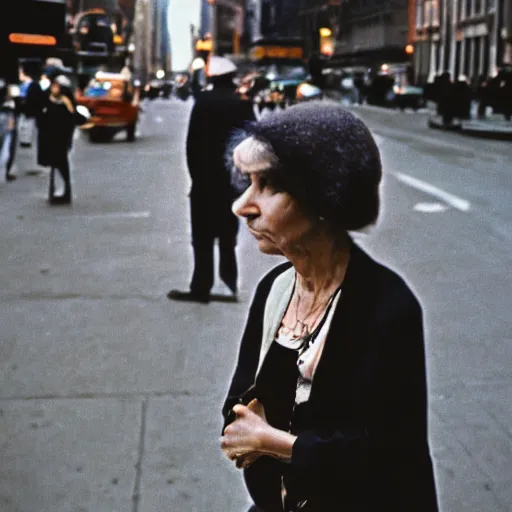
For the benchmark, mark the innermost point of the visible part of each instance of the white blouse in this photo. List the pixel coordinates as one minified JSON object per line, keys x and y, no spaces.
{"x":307,"y":360}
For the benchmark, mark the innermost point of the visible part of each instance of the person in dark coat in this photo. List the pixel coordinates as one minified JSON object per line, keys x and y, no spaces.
{"x":8,"y":130}
{"x":461,"y":98}
{"x":327,"y":408}
{"x":482,"y":94}
{"x":445,"y":100}
{"x":216,"y":114}
{"x":56,"y":123}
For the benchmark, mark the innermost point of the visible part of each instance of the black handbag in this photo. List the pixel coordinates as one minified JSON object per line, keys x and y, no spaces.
{"x":244,"y":399}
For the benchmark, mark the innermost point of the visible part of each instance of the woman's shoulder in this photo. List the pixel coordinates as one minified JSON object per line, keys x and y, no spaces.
{"x":266,"y":282}
{"x":389,"y":286}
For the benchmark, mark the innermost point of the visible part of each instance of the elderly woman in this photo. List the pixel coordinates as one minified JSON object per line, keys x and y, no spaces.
{"x":327,"y":407}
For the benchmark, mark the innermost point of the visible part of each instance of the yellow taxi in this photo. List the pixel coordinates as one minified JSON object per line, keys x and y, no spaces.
{"x":113,"y":101}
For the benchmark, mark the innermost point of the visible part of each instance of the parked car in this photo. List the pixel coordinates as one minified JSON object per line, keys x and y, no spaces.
{"x":154,"y":88}
{"x":279,"y":93}
{"x":113,"y":102}
{"x":408,"y":96}
{"x":308,"y":92}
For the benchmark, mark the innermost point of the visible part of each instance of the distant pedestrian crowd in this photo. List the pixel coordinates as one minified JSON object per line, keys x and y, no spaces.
{"x":42,"y":110}
{"x":454,"y":97}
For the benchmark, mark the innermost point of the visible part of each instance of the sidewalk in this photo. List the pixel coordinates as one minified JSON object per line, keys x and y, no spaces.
{"x":493,"y":127}
{"x":110,"y":393}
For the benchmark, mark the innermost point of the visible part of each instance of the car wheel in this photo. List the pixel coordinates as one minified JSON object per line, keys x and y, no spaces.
{"x":130,"y":133}
{"x":94,"y":135}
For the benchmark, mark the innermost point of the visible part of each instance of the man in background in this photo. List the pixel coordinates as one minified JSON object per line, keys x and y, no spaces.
{"x":217,"y":113}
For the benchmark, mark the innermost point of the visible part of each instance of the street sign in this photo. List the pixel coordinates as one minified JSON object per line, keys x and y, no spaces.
{"x":277,"y":52}
{"x":37,"y":39}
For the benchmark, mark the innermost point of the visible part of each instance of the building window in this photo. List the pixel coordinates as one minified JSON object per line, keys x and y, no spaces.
{"x":431,"y":13}
{"x":469,"y":10}
{"x":419,"y":12}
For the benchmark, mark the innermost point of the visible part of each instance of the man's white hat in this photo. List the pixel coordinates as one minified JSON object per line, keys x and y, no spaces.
{"x":218,"y":66}
{"x":54,"y":61}
{"x":63,"y":80}
{"x":198,"y":64}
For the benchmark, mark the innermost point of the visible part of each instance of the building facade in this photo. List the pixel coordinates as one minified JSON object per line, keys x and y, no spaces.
{"x":372,"y":33}
{"x":463,"y":37}
{"x":143,"y":29}
{"x":161,"y":54}
{"x":75,"y":6}
{"x":225,"y":22}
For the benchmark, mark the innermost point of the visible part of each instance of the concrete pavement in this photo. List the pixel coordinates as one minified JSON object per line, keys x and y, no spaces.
{"x":494,"y":127}
{"x":110,"y":394}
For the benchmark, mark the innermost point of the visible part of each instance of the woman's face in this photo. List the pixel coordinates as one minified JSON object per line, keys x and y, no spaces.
{"x":274,"y":217}
{"x":55,"y":90}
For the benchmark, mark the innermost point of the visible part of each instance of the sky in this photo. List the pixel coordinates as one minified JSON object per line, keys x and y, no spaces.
{"x":181,"y":14}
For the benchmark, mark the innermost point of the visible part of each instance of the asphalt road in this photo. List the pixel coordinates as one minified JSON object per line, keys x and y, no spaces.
{"x":110,"y":394}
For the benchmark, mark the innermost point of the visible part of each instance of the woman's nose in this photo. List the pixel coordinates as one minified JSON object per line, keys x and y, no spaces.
{"x":244,"y":206}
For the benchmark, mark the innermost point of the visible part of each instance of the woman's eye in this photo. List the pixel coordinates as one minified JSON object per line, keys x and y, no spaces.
{"x":263,"y":182}
{"x":268,"y":184}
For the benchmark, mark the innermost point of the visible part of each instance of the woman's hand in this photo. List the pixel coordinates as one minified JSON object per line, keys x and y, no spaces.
{"x":250,"y":436}
{"x":243,"y":438}
{"x":68,"y":104}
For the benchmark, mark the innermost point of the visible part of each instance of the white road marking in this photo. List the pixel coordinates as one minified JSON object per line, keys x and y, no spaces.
{"x":430,"y":207}
{"x":427,"y":188}
{"x":112,"y":215}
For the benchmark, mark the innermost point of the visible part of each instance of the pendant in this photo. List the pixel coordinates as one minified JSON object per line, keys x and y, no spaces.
{"x":300,"y":329}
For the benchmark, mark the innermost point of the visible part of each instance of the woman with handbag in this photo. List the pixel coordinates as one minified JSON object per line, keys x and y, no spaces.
{"x":327,"y":408}
{"x":56,"y":123}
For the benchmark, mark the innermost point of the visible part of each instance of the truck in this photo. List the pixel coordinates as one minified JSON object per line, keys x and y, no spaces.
{"x":281,"y":68}
{"x":32,"y":29}
{"x":31,"y":32}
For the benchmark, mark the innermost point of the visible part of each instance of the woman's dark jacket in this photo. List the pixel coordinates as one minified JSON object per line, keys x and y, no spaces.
{"x":55,"y":133}
{"x":362,"y":436}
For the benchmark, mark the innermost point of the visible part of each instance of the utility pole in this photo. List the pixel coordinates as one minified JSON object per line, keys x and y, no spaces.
{"x":238,"y":12}
{"x":143,"y":39}
{"x":213,"y":25}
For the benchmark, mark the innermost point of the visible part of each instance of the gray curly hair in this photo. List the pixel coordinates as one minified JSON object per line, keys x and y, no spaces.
{"x":322,"y":155}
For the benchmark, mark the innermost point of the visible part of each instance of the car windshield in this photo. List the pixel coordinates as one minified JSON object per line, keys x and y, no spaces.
{"x":104,"y":89}
{"x":285,"y":71}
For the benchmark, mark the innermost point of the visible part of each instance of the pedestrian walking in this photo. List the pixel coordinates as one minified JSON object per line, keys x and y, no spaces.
{"x":215,"y":115}
{"x":327,"y":408}
{"x":446,"y":106}
{"x":8,"y":130}
{"x":56,"y":123}
{"x":30,"y":104}
{"x":482,"y":96}
{"x":461,"y":98}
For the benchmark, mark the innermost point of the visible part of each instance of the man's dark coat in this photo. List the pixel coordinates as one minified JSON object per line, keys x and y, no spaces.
{"x":362,"y":436}
{"x":215,"y":116}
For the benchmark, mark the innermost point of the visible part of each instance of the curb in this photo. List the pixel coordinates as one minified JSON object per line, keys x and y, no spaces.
{"x":482,"y":133}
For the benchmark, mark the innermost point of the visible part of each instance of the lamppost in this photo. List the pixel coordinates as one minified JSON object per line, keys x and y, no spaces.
{"x":213,"y":26}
